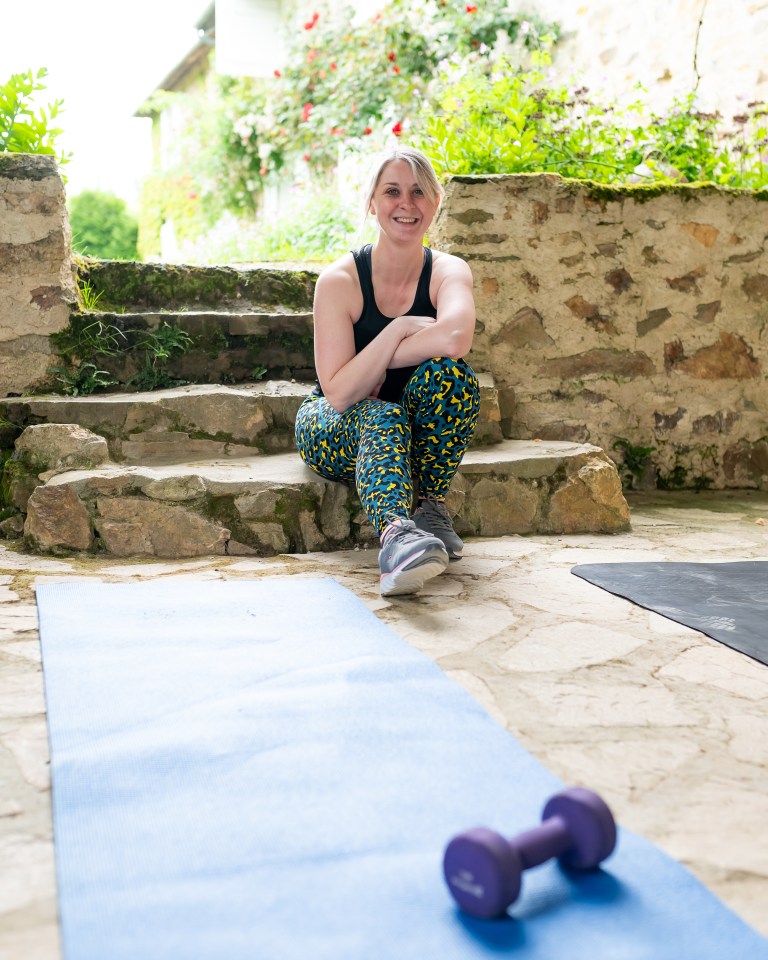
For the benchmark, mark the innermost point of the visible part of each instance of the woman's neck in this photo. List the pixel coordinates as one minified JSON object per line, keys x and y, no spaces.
{"x":397,"y":263}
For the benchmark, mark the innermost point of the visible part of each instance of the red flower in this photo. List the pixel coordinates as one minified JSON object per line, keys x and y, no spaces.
{"x":310,"y":23}
{"x":334,"y":131}
{"x":306,"y":112}
{"x":392,"y":56}
{"x":397,"y":129}
{"x":367,"y":131}
{"x":277,"y":73}
{"x":333,"y":66}
{"x":471,"y":9}
{"x":395,"y":69}
{"x":307,"y":157}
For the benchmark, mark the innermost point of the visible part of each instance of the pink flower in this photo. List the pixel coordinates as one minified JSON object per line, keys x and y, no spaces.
{"x":333,"y":66}
{"x":307,"y":157}
{"x":263,"y":171}
{"x":308,"y":107}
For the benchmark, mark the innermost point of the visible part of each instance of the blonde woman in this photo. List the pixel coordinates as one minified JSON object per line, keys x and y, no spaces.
{"x":395,"y":405}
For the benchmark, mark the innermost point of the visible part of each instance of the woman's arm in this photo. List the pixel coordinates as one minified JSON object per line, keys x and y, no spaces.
{"x":452,"y":333}
{"x":345,"y":376}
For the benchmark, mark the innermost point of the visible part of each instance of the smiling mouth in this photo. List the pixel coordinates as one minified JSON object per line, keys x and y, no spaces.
{"x":405,"y":219}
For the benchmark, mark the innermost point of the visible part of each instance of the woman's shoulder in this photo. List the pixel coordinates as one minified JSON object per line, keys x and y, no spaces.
{"x":339,"y":272}
{"x":447,"y":264}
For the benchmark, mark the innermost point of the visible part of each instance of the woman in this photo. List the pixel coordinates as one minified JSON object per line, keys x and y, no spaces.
{"x":395,"y":406}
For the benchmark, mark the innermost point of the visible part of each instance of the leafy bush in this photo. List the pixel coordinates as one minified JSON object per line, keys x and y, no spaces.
{"x":346,"y":83}
{"x":24,"y":129}
{"x":499,"y":118}
{"x":317,"y":226}
{"x":102,"y":226}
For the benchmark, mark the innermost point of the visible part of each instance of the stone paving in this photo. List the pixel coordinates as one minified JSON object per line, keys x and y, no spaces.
{"x":670,"y":726}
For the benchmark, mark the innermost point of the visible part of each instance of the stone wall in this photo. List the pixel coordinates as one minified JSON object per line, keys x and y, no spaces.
{"x":637,"y":314}
{"x":611,"y":47}
{"x":37,"y":287}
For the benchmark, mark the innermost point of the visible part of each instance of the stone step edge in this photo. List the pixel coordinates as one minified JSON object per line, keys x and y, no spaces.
{"x":261,"y":419}
{"x":237,"y":323}
{"x":275,"y":504}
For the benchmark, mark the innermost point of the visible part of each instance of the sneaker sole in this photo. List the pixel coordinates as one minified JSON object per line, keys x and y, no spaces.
{"x":413,"y":574}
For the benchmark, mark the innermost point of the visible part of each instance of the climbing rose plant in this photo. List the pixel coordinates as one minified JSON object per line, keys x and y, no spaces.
{"x":344,"y":81}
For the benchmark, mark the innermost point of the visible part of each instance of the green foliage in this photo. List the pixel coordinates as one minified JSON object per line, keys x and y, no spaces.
{"x":23,"y":128}
{"x":88,"y":297}
{"x":498,"y":118}
{"x":173,"y":197}
{"x":636,"y":460}
{"x":347,"y":78}
{"x":347,"y":83}
{"x":87,"y":338}
{"x":156,"y":348}
{"x":315,"y":226}
{"x":82,"y":380}
{"x":102,"y":226}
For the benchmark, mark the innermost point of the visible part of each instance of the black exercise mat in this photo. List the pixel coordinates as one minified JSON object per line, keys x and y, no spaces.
{"x":726,"y":601}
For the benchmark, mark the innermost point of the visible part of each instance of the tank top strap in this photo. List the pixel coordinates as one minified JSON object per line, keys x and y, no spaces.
{"x":422,"y":290}
{"x":365,"y":274}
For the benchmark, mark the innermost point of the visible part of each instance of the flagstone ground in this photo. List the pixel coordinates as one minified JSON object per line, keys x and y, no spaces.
{"x":670,"y":726}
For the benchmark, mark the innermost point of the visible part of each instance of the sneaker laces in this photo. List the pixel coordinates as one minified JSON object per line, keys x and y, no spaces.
{"x":436,"y":512}
{"x":403,"y":530}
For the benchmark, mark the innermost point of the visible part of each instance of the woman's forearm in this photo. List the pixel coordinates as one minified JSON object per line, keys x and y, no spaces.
{"x":438,"y":340}
{"x":360,"y":376}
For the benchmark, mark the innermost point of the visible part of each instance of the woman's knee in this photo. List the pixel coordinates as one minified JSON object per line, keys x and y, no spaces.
{"x":386,"y":416}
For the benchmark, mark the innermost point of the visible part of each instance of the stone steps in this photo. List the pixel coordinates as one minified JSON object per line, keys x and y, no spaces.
{"x":210,"y":467}
{"x":274,"y":504}
{"x":198,"y":421}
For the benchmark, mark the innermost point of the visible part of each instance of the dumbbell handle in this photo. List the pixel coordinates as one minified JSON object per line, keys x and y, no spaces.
{"x":550,"y":839}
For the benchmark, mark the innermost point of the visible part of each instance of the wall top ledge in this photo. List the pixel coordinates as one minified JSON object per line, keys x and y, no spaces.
{"x":602,"y":191}
{"x":28,"y":166}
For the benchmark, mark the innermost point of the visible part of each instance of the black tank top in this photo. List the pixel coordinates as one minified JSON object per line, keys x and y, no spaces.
{"x":372,"y":321}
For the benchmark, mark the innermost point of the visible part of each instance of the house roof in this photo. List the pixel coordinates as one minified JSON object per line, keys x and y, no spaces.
{"x":206,"y":40}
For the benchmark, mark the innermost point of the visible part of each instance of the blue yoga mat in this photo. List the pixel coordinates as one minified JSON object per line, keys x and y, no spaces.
{"x":265,"y":771}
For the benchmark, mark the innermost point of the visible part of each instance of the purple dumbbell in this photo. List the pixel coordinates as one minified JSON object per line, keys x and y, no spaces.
{"x":484,"y":870}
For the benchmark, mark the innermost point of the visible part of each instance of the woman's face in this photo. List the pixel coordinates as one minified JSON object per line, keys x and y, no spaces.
{"x":399,"y":204}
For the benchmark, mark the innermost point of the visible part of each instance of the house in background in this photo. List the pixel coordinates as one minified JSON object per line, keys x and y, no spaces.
{"x":246,"y":37}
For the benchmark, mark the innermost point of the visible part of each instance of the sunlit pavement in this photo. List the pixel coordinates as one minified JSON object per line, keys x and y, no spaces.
{"x":670,"y":726}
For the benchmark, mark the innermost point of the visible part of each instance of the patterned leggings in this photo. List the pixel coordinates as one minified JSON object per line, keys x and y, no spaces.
{"x":386,"y":449}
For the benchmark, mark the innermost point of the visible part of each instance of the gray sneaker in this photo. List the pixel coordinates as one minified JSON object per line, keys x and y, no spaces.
{"x":433,"y":517}
{"x":408,"y":558}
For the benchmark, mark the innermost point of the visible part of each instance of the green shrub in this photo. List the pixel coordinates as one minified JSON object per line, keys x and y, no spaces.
{"x":24,"y":129}
{"x":102,"y":227}
{"x":487,"y":118}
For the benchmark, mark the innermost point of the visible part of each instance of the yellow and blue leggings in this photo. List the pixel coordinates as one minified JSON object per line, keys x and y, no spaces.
{"x":387,"y":449}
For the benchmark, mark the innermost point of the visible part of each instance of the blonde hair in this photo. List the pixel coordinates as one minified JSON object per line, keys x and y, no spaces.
{"x":423,"y":174}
